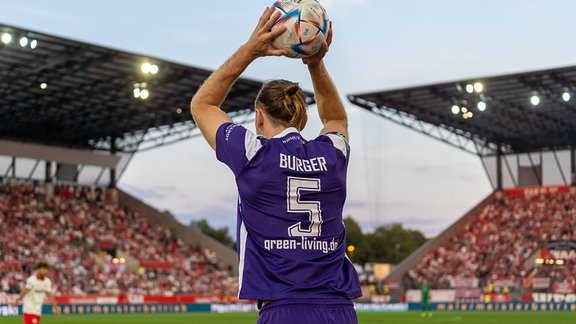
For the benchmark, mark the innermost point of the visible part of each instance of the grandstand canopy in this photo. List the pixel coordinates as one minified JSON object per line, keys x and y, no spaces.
{"x":520,"y":113}
{"x":61,"y":92}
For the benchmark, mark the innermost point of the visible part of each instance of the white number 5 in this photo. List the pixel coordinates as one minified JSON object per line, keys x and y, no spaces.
{"x":312,"y":207}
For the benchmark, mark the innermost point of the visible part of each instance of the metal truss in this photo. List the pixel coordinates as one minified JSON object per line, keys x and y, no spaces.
{"x":460,"y":139}
{"x":159,"y":136}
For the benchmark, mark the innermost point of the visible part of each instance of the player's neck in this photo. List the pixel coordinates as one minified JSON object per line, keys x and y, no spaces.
{"x":39,"y":276}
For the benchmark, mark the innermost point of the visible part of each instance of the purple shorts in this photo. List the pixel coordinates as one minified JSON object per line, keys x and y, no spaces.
{"x":308,"y":312}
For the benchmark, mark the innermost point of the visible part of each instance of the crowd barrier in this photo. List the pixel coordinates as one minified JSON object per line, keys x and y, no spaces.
{"x":68,"y":309}
{"x":489,"y":307}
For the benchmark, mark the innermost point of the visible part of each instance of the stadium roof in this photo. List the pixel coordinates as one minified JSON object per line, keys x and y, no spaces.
{"x":521,"y":113}
{"x":62,"y":92}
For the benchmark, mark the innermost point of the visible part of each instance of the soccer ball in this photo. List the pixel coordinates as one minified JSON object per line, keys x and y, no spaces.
{"x":307,"y":24}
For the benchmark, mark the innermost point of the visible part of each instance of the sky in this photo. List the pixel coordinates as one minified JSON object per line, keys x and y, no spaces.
{"x":395,"y":174}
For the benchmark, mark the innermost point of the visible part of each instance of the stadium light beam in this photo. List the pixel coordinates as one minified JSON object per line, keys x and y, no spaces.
{"x":455,"y":109}
{"x":149,"y":68}
{"x":23,"y":41}
{"x":6,"y":38}
{"x":478,"y":87}
{"x":144,"y":94}
{"x":145,"y":67}
{"x":481,"y":106}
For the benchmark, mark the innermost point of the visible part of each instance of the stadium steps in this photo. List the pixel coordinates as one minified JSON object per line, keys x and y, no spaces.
{"x":227,"y":257}
{"x":416,"y":257}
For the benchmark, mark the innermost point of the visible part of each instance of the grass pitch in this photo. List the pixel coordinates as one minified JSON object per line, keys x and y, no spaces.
{"x":363,"y":317}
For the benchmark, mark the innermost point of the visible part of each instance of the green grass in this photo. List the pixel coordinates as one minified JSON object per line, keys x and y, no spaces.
{"x":364,"y":318}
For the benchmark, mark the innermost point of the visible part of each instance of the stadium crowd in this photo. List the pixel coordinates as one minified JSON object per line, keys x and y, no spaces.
{"x":73,"y":229}
{"x":499,"y":246}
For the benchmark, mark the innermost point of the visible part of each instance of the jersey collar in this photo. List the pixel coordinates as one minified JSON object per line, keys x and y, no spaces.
{"x":286,"y":132}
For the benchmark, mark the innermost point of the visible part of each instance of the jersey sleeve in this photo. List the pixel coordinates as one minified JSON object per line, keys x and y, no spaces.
{"x":340,"y":142}
{"x":235,"y":146}
{"x":49,"y":286}
{"x":29,"y":283}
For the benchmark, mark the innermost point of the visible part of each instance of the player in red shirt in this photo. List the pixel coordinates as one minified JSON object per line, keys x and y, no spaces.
{"x":38,"y":286}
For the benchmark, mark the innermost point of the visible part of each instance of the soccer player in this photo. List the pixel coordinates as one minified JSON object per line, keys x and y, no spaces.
{"x":425,"y":298}
{"x":37,"y":287}
{"x":291,"y":238}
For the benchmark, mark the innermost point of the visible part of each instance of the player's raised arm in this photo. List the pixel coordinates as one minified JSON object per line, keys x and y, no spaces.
{"x":205,"y":104}
{"x":330,"y":107}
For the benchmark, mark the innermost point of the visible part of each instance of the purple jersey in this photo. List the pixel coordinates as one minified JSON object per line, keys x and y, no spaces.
{"x":291,"y":238}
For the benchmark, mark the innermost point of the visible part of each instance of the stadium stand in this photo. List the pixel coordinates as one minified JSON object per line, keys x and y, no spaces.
{"x":80,"y":230}
{"x":100,"y":240}
{"x":494,"y":247}
{"x":500,"y":244}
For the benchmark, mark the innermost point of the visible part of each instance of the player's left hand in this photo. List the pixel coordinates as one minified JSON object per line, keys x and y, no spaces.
{"x":316,"y":58}
{"x":56,"y":311}
{"x":260,"y":42}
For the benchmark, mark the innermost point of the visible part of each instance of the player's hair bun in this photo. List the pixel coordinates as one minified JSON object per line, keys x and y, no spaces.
{"x":284,"y":101}
{"x":292,"y":89}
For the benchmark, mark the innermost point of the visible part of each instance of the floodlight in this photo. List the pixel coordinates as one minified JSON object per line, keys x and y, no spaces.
{"x":33,"y":44}
{"x":455,"y":109}
{"x":153,"y":69}
{"x":43,"y":85}
{"x":469,"y":88}
{"x":144,"y":94}
{"x":481,"y":105}
{"x":478,"y":87}
{"x":6,"y":38}
{"x":535,"y":100}
{"x":566,"y":96}
{"x":146,"y":67}
{"x":23,"y":41}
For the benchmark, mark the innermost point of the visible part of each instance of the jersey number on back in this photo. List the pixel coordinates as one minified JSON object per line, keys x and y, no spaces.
{"x":312,"y":207}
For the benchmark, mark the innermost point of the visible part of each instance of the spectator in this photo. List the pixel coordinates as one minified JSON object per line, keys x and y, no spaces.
{"x":67,"y":229}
